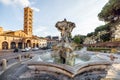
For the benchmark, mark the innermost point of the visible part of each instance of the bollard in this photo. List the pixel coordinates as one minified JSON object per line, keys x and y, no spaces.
{"x":28,"y":55}
{"x":19,"y":57}
{"x":4,"y":64}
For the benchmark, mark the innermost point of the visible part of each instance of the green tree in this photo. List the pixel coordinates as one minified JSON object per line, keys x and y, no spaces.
{"x":90,"y":34}
{"x":105,"y":27}
{"x":111,"y":11}
{"x":79,"y":39}
{"x":105,"y":37}
{"x":82,"y":38}
{"x":76,"y":40}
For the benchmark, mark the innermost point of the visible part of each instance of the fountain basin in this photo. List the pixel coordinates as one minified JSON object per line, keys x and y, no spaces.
{"x":70,"y":71}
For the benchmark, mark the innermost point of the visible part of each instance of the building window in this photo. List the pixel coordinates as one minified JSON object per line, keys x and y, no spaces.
{"x":5,"y":38}
{"x":29,"y":30}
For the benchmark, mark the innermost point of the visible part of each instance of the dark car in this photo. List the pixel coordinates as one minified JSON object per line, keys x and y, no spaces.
{"x":15,"y":50}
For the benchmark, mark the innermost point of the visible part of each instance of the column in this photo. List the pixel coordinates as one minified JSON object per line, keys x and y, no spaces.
{"x":22,"y":45}
{"x":9,"y":45}
{"x":0,"y":45}
{"x":16,"y":45}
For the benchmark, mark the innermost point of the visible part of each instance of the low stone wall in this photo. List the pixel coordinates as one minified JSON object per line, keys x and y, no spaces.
{"x":70,"y":71}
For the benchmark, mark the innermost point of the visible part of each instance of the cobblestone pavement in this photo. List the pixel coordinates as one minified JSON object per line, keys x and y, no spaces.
{"x":15,"y":68}
{"x":13,"y":72}
{"x":9,"y":55}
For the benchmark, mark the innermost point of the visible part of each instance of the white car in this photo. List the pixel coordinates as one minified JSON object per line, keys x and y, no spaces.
{"x":35,"y":49}
{"x":25,"y":50}
{"x":29,"y":48}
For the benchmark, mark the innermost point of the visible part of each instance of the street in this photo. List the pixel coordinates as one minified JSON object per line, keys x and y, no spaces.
{"x":12,"y":57}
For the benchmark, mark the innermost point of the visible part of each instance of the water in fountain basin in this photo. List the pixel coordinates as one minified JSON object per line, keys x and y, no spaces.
{"x":79,"y":58}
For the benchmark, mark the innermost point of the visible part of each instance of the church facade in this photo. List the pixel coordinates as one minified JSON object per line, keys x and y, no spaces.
{"x":21,"y":38}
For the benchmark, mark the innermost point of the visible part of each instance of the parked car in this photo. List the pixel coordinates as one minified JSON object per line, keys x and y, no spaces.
{"x":35,"y":49}
{"x":25,"y":50}
{"x":15,"y":50}
{"x":44,"y":48}
{"x":29,"y":48}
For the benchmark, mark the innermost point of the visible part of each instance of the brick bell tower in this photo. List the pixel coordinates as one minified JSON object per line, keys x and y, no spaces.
{"x":28,"y":21}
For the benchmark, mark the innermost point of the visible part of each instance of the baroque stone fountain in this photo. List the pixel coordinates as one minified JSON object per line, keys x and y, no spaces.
{"x":63,"y":63}
{"x":63,"y":53}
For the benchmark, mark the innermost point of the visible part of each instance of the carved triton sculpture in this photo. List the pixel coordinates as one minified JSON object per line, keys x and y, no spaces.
{"x":65,"y":49}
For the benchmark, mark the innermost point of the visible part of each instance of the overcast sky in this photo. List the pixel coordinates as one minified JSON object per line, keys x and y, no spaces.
{"x":47,"y":12}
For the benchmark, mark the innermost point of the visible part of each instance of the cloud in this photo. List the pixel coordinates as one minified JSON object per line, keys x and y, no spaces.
{"x":21,"y":3}
{"x":5,"y":2}
{"x":85,"y":17}
{"x":87,"y":26}
{"x":35,"y":9}
{"x":45,"y":31}
{"x":40,"y":30}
